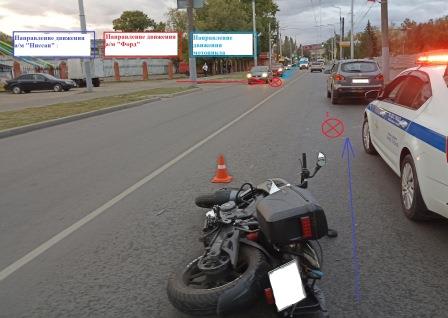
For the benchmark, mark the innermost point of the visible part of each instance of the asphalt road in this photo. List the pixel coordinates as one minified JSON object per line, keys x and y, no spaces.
{"x":116,"y":265}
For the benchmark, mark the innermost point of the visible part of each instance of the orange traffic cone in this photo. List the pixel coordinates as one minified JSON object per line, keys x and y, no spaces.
{"x":221,"y":176}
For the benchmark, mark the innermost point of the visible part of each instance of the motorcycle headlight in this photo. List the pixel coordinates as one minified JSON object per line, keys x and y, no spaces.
{"x":264,"y":75}
{"x":249,"y":75}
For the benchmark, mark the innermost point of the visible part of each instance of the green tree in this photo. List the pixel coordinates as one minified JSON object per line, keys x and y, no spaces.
{"x":236,"y":15}
{"x":176,"y":20}
{"x":133,"y":21}
{"x":5,"y":38}
{"x":368,"y":42}
{"x":222,"y":15}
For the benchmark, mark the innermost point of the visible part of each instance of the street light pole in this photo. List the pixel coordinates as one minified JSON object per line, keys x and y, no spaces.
{"x":340,"y":30}
{"x":385,"y":40}
{"x":82,"y":19}
{"x":352,"y":48}
{"x":190,"y":27}
{"x":280,"y":42}
{"x":269,"y":38}
{"x":254,"y":25}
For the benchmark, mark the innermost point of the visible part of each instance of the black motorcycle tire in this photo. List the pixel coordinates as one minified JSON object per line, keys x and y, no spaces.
{"x":203,"y":302}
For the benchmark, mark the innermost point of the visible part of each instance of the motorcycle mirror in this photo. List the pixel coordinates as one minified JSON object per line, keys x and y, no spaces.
{"x":321,"y":160}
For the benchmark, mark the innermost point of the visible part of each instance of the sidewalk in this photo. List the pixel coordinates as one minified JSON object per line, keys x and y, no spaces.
{"x":10,"y":101}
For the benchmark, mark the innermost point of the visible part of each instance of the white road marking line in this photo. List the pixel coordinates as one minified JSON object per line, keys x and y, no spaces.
{"x":92,"y":215}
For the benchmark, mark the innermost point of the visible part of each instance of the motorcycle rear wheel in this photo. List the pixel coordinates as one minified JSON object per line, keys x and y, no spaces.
{"x":246,"y":281}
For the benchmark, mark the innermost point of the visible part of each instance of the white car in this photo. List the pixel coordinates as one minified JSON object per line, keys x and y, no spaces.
{"x":408,"y":126}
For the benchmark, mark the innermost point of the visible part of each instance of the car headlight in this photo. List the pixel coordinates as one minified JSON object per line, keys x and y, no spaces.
{"x":264,"y":75}
{"x":249,"y":75}
{"x":280,"y":69}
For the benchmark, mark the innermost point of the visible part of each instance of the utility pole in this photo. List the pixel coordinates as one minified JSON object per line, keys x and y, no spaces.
{"x":290,"y":49}
{"x":190,"y":28}
{"x":280,"y":42}
{"x":269,"y":39}
{"x":352,"y":47}
{"x":254,"y":25}
{"x":82,"y":20}
{"x":342,"y":38}
{"x":385,"y":40}
{"x":340,"y":30}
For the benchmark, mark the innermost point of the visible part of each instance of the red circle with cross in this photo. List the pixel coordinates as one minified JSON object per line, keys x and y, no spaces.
{"x":332,"y":128}
{"x":276,"y":82}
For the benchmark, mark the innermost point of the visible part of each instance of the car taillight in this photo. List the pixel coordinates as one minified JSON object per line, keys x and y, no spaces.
{"x":379,"y":77}
{"x":307,"y":231}
{"x":339,"y":77}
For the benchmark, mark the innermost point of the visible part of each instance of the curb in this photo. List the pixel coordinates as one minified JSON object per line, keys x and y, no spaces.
{"x":58,"y":121}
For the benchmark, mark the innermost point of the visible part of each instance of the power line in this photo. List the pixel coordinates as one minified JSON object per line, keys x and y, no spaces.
{"x":365,"y":14}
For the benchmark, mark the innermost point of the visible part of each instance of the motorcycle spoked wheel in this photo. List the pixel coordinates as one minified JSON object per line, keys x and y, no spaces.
{"x":194,"y":293}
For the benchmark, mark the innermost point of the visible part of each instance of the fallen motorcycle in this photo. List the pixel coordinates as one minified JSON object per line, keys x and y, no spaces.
{"x":258,"y":240}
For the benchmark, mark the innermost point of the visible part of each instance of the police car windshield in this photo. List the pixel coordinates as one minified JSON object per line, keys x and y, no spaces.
{"x":445,"y":76}
{"x":359,"y":67}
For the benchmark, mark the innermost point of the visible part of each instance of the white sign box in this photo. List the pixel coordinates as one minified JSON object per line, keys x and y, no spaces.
{"x":141,"y":44}
{"x":52,"y":43}
{"x":222,"y":44}
{"x":287,"y":285}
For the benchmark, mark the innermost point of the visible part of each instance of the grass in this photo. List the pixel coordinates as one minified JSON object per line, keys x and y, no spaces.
{"x":32,"y":115}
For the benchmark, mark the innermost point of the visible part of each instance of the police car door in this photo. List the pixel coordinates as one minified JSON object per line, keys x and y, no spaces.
{"x":402,"y":104}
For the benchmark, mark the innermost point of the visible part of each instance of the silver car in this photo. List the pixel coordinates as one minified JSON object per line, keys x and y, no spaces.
{"x":316,"y":66}
{"x":353,"y":78}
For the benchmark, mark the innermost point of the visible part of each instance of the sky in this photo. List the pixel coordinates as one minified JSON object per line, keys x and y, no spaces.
{"x":309,"y":21}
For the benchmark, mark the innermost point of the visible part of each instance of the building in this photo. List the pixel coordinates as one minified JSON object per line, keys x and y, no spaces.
{"x":315,"y":50}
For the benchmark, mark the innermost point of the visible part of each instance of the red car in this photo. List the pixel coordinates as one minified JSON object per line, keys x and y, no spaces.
{"x":277,"y":70}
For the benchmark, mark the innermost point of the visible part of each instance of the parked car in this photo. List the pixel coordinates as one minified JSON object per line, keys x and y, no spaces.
{"x":407,"y":126}
{"x":259,"y":74}
{"x":316,"y":67}
{"x":277,"y":70}
{"x":353,"y":78}
{"x":39,"y":81}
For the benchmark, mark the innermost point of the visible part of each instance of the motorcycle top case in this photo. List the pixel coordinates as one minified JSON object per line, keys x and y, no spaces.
{"x":279,"y":216}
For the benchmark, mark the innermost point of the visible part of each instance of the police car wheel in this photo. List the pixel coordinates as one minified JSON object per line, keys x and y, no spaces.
{"x":366,"y":141}
{"x":411,"y":198}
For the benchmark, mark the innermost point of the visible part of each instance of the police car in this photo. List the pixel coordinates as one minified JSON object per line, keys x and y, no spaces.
{"x":407,"y":125}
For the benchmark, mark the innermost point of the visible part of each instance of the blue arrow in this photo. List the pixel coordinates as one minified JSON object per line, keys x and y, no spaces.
{"x":349,"y":153}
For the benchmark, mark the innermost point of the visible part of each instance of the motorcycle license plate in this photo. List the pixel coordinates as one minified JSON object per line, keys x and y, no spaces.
{"x":287,"y":285}
{"x":360,"y":81}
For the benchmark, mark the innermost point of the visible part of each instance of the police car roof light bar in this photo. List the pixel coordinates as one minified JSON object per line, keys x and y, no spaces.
{"x":439,"y":57}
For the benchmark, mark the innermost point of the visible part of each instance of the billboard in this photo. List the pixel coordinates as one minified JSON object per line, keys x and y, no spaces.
{"x":141,"y":44}
{"x":222,"y":44}
{"x":52,"y":43}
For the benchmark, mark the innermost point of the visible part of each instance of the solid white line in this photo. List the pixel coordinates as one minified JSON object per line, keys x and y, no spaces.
{"x":92,"y":215}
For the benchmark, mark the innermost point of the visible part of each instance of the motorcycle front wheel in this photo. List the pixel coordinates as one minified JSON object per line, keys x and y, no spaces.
{"x":195,"y":293}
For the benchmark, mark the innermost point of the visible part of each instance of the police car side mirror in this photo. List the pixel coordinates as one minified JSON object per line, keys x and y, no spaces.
{"x":372,"y":95}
